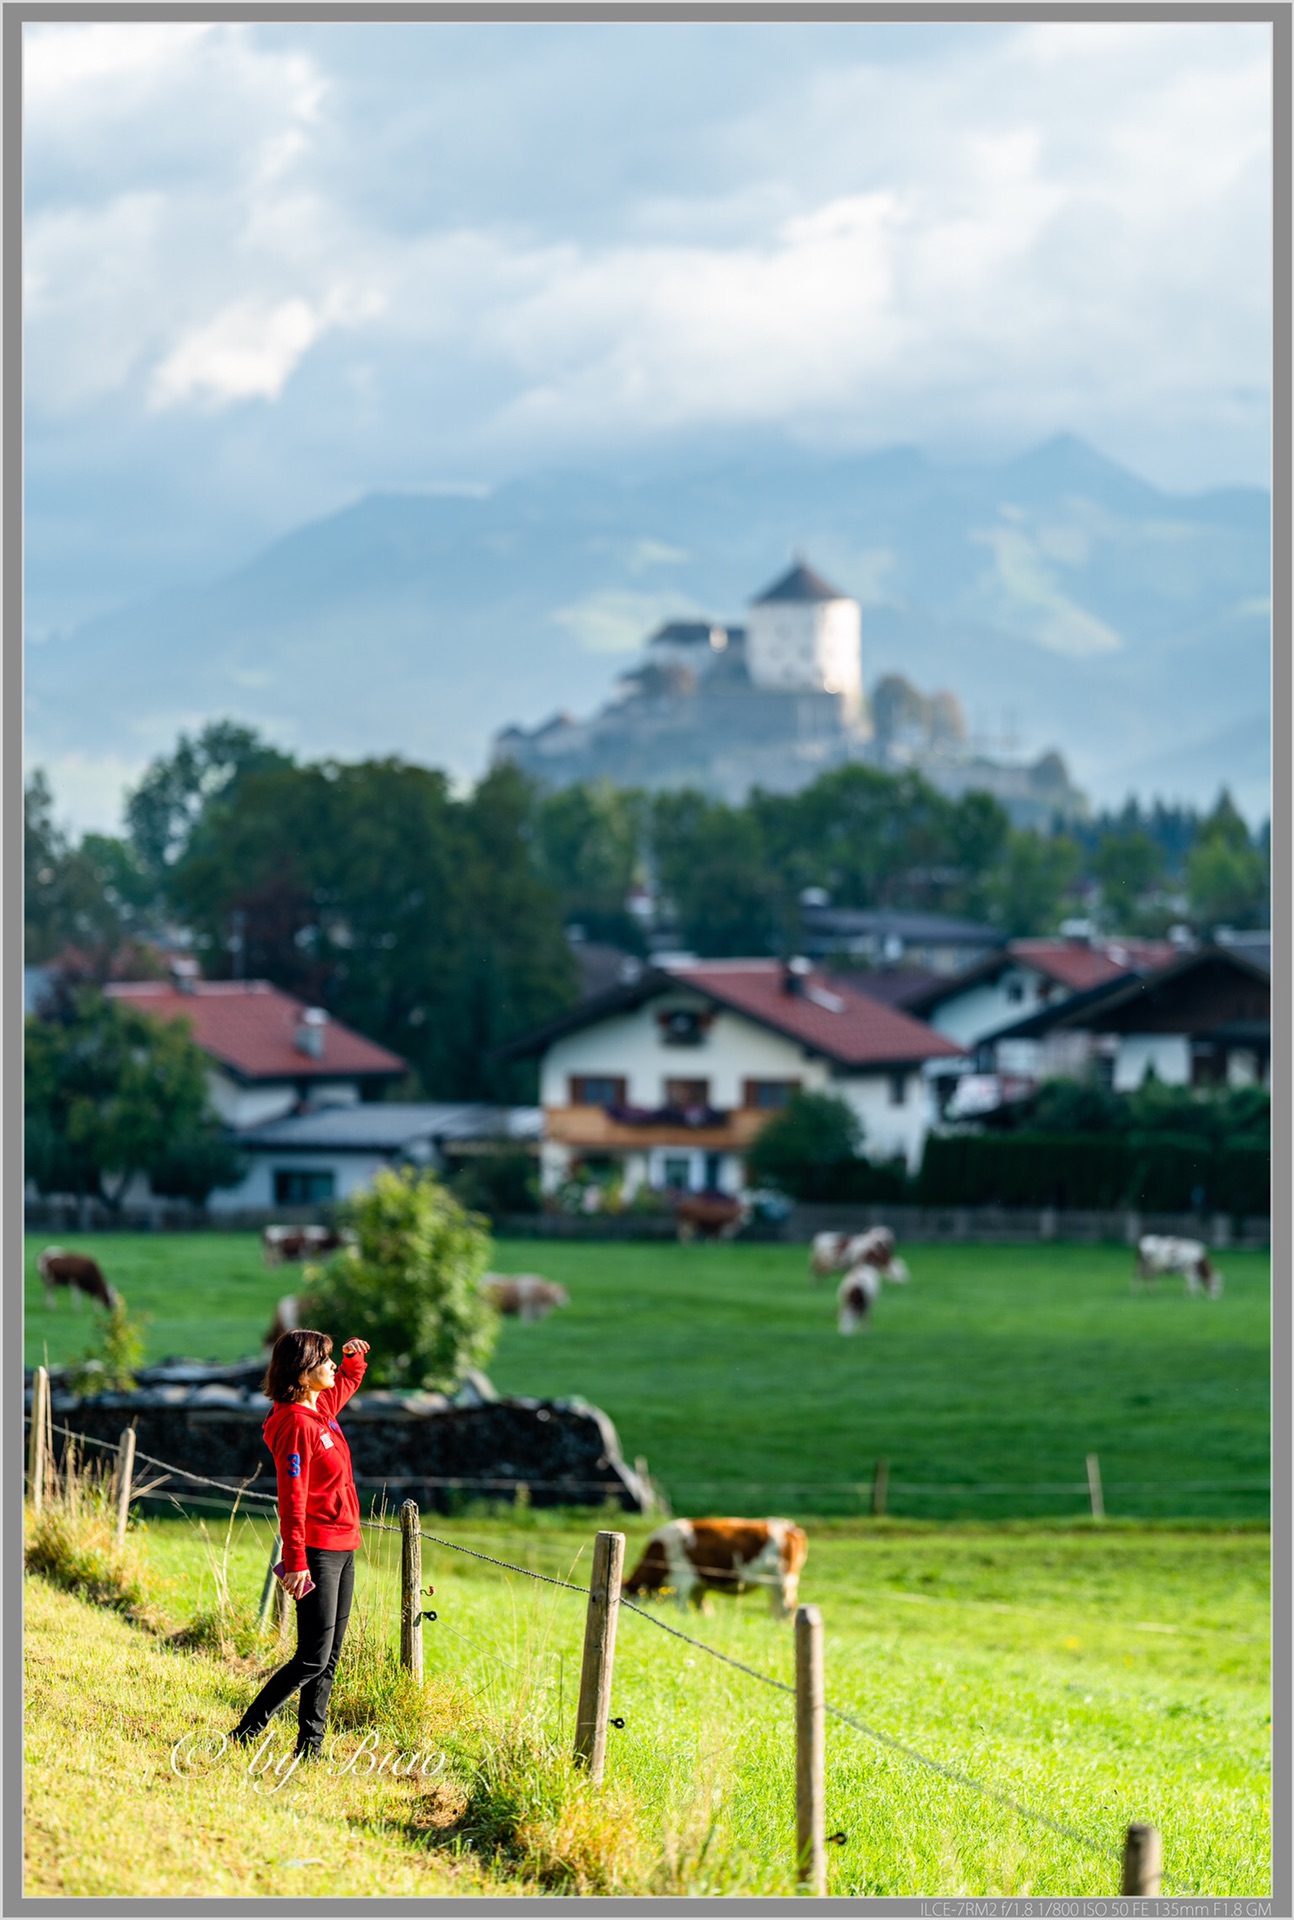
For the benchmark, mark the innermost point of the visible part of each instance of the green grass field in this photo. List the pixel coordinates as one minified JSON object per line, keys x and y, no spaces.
{"x":1096,"y":1676}
{"x":985,"y":1383}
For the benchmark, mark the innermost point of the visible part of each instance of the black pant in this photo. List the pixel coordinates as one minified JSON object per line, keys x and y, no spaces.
{"x":321,"y":1627}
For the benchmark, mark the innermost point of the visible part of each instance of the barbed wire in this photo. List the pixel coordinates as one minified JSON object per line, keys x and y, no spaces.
{"x":240,"y":1492}
{"x":473,"y":1553}
{"x":954,"y":1774}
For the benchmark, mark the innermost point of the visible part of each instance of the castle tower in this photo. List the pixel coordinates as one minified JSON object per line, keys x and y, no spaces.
{"x":803,"y":635}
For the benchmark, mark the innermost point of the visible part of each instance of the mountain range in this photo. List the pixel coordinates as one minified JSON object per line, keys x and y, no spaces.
{"x":1062,"y":598}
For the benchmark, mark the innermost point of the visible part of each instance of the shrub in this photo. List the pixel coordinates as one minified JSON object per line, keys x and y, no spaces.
{"x":108,"y":1365}
{"x":505,"y":1180}
{"x":411,"y":1285}
{"x":803,"y":1148}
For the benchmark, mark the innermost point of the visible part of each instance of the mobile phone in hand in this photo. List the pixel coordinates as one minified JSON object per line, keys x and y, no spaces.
{"x":280,"y":1570}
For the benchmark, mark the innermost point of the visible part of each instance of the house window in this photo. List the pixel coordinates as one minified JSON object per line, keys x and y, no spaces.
{"x":898,"y":1089}
{"x":768,"y":1093}
{"x":687,"y":1093}
{"x":676,"y":1170}
{"x":303,"y":1186}
{"x":597,"y":1090}
{"x":683,"y":1027}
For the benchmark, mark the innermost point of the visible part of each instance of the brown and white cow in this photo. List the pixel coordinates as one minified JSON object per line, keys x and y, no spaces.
{"x":692,"y":1558}
{"x":302,"y":1243}
{"x":77,"y":1271}
{"x":1162,"y":1253}
{"x":856,"y":1295}
{"x":839,"y":1252}
{"x":709,"y":1216}
{"x":524,"y":1296}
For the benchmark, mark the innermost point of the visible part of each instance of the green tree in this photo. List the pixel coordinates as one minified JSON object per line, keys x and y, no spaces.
{"x":1226,"y":874}
{"x":589,"y":845}
{"x":1026,"y":892}
{"x":1128,"y":866}
{"x":878,"y":839}
{"x":809,"y":1141}
{"x":66,"y":902}
{"x":711,"y":863}
{"x":412,"y":1286}
{"x":368,"y":889}
{"x":110,"y":1094}
{"x":178,"y":791}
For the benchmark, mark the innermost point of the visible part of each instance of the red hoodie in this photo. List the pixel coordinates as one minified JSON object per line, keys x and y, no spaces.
{"x":318,"y":1504}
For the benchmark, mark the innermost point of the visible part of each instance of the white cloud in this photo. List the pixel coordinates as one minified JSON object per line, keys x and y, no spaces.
{"x":247,"y":351}
{"x":1003,"y":232}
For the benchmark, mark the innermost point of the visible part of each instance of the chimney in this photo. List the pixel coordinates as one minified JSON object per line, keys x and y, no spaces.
{"x":184,"y":974}
{"x":310,"y":1032}
{"x":795,"y":974}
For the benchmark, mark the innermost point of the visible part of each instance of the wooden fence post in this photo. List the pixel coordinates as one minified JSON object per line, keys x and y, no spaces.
{"x":36,"y":1444}
{"x":1094,"y":1492}
{"x":1143,"y":1860}
{"x":880,"y":1486}
{"x":599,"y":1654}
{"x":267,"y":1591}
{"x":125,"y":1475}
{"x":411,"y":1589}
{"x":810,"y":1753}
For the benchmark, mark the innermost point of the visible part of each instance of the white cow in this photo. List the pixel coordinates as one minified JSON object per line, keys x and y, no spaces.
{"x":839,"y":1252}
{"x":856,"y":1295}
{"x":1161,"y":1253}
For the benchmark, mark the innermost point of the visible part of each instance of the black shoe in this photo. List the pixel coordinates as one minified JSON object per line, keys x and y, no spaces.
{"x":241,"y":1737}
{"x":313,"y":1751}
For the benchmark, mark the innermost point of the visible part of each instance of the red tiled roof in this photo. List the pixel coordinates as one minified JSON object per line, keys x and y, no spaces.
{"x":826,"y":1014}
{"x":1079,"y":967}
{"x":250,"y":1026}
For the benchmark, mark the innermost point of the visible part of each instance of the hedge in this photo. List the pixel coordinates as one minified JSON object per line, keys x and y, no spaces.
{"x":1153,"y":1172}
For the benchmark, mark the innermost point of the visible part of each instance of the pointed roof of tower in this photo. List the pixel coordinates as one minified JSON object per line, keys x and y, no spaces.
{"x":801,"y":583}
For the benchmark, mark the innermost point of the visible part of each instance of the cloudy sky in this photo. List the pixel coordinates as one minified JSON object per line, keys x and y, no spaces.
{"x":270,"y":268}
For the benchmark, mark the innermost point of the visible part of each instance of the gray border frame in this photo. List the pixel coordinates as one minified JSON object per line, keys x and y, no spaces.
{"x":1276,"y":13}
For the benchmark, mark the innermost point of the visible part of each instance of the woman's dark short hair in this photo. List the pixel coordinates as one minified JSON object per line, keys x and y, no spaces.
{"x":294,"y":1353}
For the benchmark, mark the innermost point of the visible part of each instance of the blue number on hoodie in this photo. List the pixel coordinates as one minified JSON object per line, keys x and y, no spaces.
{"x":294,"y":1464}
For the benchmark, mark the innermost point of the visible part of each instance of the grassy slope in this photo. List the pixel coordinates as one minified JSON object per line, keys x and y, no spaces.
{"x":1098,"y":1675}
{"x":106,"y":1815}
{"x":997,"y":1366}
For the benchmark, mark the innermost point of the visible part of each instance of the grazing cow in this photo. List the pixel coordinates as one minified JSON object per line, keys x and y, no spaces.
{"x":1161,"y":1253}
{"x":856,"y":1295}
{"x":709,"y":1216}
{"x":58,"y":1268}
{"x":839,"y":1252}
{"x":286,"y":1319}
{"x":696,"y":1557}
{"x":524,"y":1296}
{"x":302,"y":1243}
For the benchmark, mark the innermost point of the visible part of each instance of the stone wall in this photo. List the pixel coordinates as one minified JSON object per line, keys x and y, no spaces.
{"x":404,"y":1446}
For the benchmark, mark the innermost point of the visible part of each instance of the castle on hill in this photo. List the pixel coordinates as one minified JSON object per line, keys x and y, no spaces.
{"x":774,"y":704}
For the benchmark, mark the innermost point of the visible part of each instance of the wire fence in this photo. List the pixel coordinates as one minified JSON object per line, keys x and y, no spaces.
{"x":955,"y":1775}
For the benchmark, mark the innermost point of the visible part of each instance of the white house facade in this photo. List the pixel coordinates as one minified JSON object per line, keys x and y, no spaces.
{"x":667,"y":1081}
{"x":333,"y":1152}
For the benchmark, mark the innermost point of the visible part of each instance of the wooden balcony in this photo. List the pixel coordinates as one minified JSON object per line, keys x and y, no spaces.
{"x":594,"y":1129}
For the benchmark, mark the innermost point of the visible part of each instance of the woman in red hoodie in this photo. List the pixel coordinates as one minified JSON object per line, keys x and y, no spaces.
{"x":318,"y":1521}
